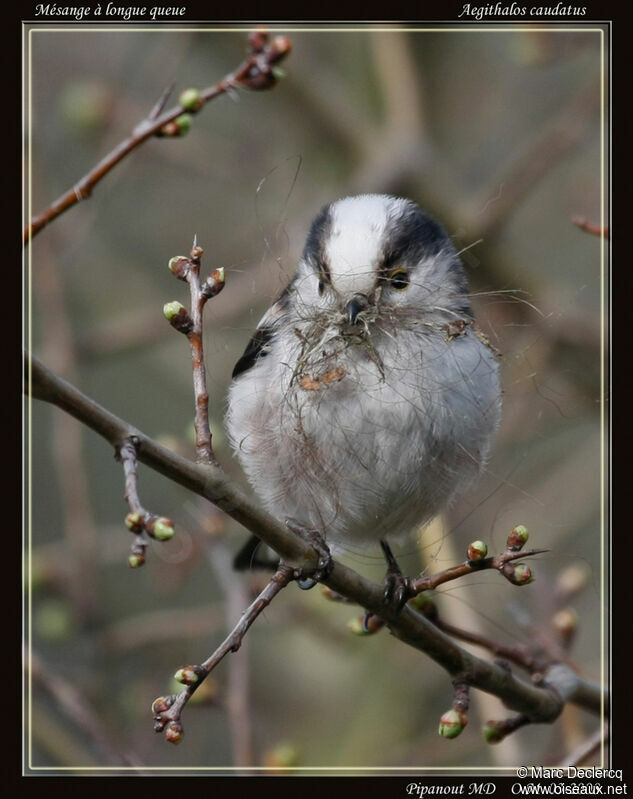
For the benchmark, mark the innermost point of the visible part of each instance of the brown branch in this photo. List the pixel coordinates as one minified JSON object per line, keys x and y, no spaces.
{"x":502,"y":563}
{"x":188,"y":269}
{"x":139,"y":520}
{"x":236,"y":597}
{"x":542,"y":703}
{"x":515,"y":654}
{"x":256,"y":73}
{"x":167,"y":710}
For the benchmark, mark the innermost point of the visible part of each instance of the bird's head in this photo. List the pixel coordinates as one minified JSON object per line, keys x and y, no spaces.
{"x":376,"y":257}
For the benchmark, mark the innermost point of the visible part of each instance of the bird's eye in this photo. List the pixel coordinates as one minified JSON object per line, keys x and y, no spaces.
{"x":399,"y":279}
{"x":321,"y":285}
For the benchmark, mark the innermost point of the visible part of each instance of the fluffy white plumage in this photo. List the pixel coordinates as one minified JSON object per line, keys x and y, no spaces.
{"x":366,"y":400}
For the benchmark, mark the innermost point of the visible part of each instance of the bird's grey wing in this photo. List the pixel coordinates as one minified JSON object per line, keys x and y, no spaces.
{"x":259,"y":345}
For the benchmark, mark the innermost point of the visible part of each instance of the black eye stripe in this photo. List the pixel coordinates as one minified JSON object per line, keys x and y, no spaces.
{"x":323,"y":269}
{"x":389,"y":259}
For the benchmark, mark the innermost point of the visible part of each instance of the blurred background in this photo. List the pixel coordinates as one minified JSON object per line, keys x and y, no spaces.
{"x":498,"y":135}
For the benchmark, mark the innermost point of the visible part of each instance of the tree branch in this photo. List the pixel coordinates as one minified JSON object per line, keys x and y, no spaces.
{"x":167,"y":709}
{"x":539,"y":704}
{"x":255,"y":73}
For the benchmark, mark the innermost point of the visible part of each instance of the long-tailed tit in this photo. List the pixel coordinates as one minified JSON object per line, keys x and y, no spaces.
{"x":366,"y":400}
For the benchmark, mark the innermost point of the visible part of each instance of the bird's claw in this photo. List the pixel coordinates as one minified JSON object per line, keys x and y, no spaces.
{"x":397,"y":590}
{"x":397,"y":587}
{"x":308,"y":578}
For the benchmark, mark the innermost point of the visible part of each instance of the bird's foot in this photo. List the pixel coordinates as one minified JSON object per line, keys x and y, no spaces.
{"x":308,"y":579}
{"x":397,"y":587}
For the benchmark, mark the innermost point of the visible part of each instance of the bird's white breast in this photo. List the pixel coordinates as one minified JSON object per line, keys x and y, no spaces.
{"x":364,"y":441}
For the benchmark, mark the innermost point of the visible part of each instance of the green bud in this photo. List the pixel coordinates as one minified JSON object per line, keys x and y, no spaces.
{"x":134,"y":522}
{"x":174,"y":732}
{"x":523,"y":574}
{"x":178,"y":317}
{"x":161,"y":704}
{"x":178,"y":266}
{"x":162,"y":529}
{"x":187,"y":675}
{"x":214,"y":283}
{"x":183,"y":123}
{"x":452,"y":723}
{"x":518,"y":537}
{"x":172,"y":309}
{"x":477,"y":551}
{"x":279,"y":72}
{"x":134,"y":561}
{"x":190,"y":100}
{"x":492,"y":732}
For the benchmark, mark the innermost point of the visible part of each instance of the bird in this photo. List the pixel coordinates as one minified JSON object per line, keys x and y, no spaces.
{"x":367,"y":399}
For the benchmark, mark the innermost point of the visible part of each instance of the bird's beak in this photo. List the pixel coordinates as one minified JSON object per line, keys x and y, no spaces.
{"x":354,"y":307}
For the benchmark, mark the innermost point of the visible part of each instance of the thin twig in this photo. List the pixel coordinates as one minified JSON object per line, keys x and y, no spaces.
{"x":256,"y":72}
{"x":204,"y":449}
{"x":139,"y":520}
{"x":190,"y":324}
{"x":237,"y":689}
{"x":498,"y":562}
{"x":168,"y":710}
{"x":515,"y":654}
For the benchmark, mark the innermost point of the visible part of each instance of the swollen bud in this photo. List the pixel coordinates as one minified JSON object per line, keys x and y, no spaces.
{"x":174,"y":732}
{"x":178,"y":266}
{"x":177,"y":127}
{"x":365,"y":625}
{"x":477,"y":551}
{"x":493,"y":731}
{"x":452,"y":723}
{"x":162,"y":528}
{"x":187,"y":675}
{"x":178,"y":317}
{"x":190,"y":100}
{"x":279,"y":48}
{"x":161,"y":704}
{"x":214,"y":283}
{"x":518,"y":573}
{"x":134,"y":561}
{"x":518,"y":538}
{"x":134,"y":522}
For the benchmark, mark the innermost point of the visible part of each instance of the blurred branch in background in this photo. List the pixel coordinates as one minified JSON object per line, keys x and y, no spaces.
{"x":77,"y":711}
